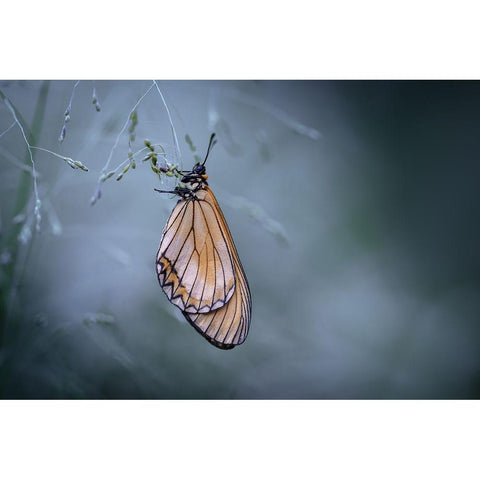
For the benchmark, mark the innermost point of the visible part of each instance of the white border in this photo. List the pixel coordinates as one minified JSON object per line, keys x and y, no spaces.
{"x":239,"y":439}
{"x":247,"y":40}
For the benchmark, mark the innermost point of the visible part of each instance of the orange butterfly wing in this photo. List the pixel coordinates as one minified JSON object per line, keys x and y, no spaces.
{"x":228,"y":326}
{"x":195,"y":267}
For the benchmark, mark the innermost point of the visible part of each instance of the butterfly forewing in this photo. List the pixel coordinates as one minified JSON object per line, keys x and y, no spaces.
{"x":195,"y":265}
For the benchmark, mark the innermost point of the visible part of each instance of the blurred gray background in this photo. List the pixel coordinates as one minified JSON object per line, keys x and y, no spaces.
{"x":354,"y":207}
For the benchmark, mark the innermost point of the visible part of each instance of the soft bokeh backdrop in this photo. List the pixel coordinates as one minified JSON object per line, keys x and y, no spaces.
{"x":354,"y":207}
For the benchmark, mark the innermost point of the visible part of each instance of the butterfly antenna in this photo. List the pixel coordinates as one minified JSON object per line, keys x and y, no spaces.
{"x":213,"y":141}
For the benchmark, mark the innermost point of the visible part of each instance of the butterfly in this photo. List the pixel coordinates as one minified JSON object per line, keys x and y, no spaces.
{"x":198,"y":266}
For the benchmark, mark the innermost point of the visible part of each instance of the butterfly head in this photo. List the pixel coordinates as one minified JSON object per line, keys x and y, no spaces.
{"x":194,"y":180}
{"x":198,"y":173}
{"x":199,"y":169}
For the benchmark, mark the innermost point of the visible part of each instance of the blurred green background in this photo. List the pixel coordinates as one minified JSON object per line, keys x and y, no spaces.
{"x":354,"y":206}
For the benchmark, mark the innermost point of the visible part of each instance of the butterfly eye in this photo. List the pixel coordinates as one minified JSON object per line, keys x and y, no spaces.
{"x":199,"y":169}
